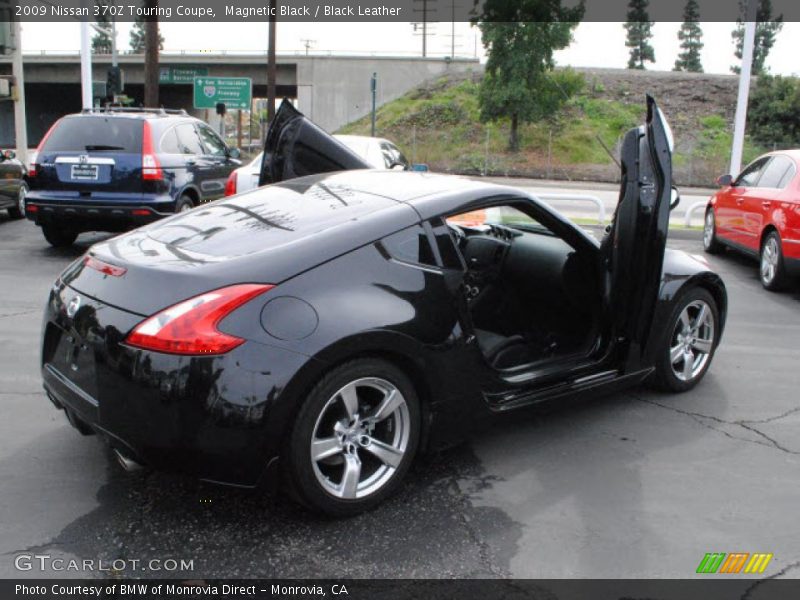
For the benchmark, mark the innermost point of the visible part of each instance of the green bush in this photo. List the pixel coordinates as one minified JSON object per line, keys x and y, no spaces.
{"x":774,"y":111}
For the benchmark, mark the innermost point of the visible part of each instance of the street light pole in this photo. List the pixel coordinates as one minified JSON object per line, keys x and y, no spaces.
{"x":20,"y":128}
{"x":740,"y":120}
{"x":86,"y":67}
{"x":373,"y":85}
{"x":271,"y":66}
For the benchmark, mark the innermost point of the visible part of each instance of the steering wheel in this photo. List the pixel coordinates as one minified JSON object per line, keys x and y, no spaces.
{"x":459,"y":235}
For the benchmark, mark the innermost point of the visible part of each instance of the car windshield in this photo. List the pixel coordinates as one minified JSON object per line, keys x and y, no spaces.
{"x":95,"y":134}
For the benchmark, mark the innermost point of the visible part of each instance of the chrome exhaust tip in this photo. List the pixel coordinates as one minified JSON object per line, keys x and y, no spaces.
{"x":128,"y":464}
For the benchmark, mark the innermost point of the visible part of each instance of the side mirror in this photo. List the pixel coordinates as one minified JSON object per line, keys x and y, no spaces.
{"x":419,"y":168}
{"x":234,"y":153}
{"x":9,"y":154}
{"x":724,"y":180}
{"x":674,"y":198}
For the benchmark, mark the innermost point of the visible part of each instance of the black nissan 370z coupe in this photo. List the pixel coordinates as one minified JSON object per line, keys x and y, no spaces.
{"x":324,"y":330}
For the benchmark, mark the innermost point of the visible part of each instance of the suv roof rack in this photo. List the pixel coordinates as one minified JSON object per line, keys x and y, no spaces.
{"x":135,"y":109}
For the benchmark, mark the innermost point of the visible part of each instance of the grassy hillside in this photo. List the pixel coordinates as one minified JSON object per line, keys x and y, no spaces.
{"x":439,"y":124}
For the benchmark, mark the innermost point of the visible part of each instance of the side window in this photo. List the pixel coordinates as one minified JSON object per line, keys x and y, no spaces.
{"x":410,"y":245}
{"x":774,"y":172}
{"x":169,"y":142}
{"x":188,"y":139}
{"x":788,"y":176}
{"x":388,"y":159}
{"x":446,"y":244}
{"x":749,"y":177}
{"x":211,"y":141}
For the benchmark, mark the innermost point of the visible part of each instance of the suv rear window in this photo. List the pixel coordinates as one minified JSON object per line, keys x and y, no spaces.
{"x":82,"y":134}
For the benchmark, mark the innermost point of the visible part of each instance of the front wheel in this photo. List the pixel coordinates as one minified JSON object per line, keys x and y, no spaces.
{"x":689,"y":342}
{"x":58,"y":237}
{"x":772,"y":270}
{"x":710,"y":242}
{"x":354,"y":438}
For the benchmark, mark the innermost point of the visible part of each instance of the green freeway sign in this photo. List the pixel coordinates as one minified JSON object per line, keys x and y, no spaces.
{"x":180,"y":74}
{"x":235,"y":92}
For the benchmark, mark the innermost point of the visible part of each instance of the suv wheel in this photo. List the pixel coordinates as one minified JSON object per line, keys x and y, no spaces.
{"x":183,"y":204}
{"x":354,"y":438}
{"x":772,"y":271}
{"x":18,"y":211}
{"x":57,"y":236}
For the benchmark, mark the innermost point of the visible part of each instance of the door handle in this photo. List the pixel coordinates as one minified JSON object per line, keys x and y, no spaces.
{"x":740,"y":201}
{"x":191,"y":161}
{"x":765,"y":203}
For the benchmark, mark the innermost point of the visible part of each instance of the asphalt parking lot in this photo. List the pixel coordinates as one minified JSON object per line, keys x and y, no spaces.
{"x":633,"y":485}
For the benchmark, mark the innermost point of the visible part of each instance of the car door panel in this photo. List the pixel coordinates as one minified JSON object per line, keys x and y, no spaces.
{"x":219,"y":163}
{"x":735,"y":223}
{"x":759,"y":201}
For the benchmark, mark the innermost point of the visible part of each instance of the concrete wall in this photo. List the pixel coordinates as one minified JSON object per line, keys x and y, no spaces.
{"x":333,"y":91}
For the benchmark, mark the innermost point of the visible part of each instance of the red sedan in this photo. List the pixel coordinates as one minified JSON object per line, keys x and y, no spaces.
{"x":758,"y":213}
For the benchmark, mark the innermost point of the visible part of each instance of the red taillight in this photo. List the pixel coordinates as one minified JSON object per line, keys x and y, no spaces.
{"x":32,"y":169}
{"x":230,"y":185}
{"x":190,"y":327}
{"x":31,"y":208}
{"x":151,"y":168}
{"x":140,"y":212}
{"x":104,"y":267}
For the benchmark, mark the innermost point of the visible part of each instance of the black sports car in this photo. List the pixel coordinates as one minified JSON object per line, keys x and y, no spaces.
{"x":328,"y":328}
{"x":13,"y":187}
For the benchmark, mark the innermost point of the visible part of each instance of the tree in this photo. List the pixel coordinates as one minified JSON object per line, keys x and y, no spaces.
{"x":520,"y":37}
{"x":137,"y":37}
{"x":767,"y":30}
{"x":101,"y":42}
{"x":691,"y":37}
{"x":773,"y":114}
{"x":639,"y":31}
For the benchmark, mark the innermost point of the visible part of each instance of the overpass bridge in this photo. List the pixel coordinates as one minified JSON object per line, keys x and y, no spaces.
{"x":332,"y":90}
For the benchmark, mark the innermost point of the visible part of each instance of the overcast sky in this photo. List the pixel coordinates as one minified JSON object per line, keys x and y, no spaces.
{"x":595,"y":45}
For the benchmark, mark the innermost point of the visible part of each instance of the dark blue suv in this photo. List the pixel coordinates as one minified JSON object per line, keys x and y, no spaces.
{"x":115,"y":169}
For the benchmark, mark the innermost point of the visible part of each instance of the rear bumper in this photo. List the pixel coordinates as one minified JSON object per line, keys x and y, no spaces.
{"x":217,"y":418}
{"x":97,"y":215}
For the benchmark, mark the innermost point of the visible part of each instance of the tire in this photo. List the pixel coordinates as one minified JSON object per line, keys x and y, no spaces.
{"x":58,"y":237}
{"x":710,"y":242}
{"x":18,"y":211}
{"x":687,"y":347}
{"x":771,"y":266}
{"x":183,"y":204}
{"x":353,"y":436}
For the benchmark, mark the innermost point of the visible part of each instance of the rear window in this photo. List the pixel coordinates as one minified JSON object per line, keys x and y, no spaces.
{"x":96,"y":134}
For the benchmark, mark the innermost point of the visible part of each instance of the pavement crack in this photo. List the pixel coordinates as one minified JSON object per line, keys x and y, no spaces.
{"x":777,"y":575}
{"x":19,"y":314}
{"x":772,"y":419}
{"x":704,"y":419}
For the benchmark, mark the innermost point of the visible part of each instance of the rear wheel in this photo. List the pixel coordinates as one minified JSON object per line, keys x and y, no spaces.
{"x":354,"y":438}
{"x":772,"y":270}
{"x":18,"y":211}
{"x":688,"y":344}
{"x":57,"y":236}
{"x":710,"y":242}
{"x":183,"y":204}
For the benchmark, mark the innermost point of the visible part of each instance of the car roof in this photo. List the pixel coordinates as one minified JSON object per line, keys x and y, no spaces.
{"x":428,"y":193}
{"x":140,"y":115}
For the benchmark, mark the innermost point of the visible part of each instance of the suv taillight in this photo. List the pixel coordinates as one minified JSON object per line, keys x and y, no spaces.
{"x":151,"y":167}
{"x":34,"y":166}
{"x":190,"y":327}
{"x":230,"y":185}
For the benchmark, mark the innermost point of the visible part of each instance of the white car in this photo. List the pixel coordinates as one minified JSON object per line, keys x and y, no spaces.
{"x":380,"y":153}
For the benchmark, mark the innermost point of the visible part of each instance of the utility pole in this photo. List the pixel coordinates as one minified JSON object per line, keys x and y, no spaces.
{"x":20,"y":123}
{"x":373,"y":86}
{"x":151,"y":48}
{"x":740,"y":120}
{"x":271,"y":66}
{"x":308,"y":44}
{"x":86,"y":67}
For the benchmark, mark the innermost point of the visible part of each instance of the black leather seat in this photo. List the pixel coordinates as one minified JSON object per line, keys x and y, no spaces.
{"x":503,"y":352}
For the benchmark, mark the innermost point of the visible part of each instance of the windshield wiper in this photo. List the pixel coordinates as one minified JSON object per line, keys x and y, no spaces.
{"x":98,"y":147}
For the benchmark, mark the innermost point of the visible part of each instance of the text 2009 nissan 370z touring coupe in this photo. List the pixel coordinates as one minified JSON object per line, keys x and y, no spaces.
{"x":328,"y":328}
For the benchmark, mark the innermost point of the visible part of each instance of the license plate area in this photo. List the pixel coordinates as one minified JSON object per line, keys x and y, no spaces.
{"x":83,"y":172}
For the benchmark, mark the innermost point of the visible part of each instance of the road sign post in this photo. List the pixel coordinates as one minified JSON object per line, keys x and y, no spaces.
{"x":234,"y":92}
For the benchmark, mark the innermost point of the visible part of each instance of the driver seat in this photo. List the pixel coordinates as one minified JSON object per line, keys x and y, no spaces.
{"x":503,"y":352}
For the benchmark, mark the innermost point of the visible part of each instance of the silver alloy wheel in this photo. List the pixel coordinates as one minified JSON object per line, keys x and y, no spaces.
{"x":360,"y":438}
{"x":185,"y":208}
{"x":708,"y":229}
{"x":770,"y":255}
{"x":23,"y":193}
{"x":692,"y":340}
